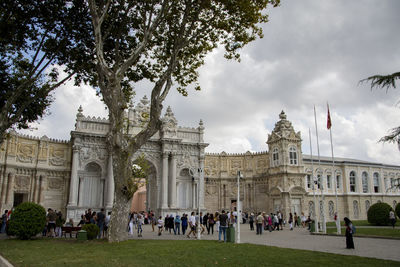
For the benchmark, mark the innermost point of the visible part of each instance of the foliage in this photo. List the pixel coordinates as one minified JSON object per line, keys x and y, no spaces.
{"x":27,"y":220}
{"x":397,"y":210}
{"x":378,"y":214}
{"x":207,"y":253}
{"x":164,"y":42}
{"x":35,"y":37}
{"x":92,"y":230}
{"x":139,"y":169}
{"x":386,"y":81}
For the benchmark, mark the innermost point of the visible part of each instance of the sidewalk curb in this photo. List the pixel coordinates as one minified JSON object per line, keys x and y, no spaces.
{"x":4,"y":262}
{"x":359,"y":236}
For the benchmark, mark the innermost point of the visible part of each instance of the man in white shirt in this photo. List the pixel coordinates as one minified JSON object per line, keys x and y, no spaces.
{"x":192,"y":224}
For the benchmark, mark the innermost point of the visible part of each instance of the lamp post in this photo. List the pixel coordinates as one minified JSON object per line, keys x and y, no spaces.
{"x":200,"y":171}
{"x":239,"y":175}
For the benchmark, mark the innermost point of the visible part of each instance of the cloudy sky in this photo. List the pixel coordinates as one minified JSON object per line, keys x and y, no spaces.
{"x":313,"y":52}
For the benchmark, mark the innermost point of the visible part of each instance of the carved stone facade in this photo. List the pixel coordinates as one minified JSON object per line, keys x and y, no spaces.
{"x":281,"y":179}
{"x":75,"y":175}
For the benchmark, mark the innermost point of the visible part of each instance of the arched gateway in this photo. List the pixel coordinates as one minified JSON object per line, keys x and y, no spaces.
{"x":173,"y":154}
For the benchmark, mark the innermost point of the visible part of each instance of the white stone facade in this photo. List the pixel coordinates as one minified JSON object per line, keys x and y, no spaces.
{"x":75,"y":175}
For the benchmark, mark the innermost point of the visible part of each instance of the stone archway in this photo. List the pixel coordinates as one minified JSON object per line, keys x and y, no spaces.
{"x":145,"y":198}
{"x":91,"y":186}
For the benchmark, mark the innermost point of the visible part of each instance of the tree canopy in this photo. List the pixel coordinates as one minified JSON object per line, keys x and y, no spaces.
{"x":386,"y":82}
{"x":34,"y":37}
{"x":164,"y":42}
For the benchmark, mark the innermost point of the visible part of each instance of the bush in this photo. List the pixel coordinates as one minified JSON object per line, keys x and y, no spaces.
{"x":397,"y":210}
{"x":92,"y":230}
{"x":378,"y":214}
{"x":27,"y":220}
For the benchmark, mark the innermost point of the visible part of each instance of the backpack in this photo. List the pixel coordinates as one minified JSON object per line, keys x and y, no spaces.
{"x":353,"y":229}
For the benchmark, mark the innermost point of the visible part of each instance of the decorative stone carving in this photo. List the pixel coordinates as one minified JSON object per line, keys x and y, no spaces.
{"x":55,"y":183}
{"x":25,"y":153}
{"x":170,"y":124}
{"x":22,"y":183}
{"x":57,"y":157}
{"x":211,"y":190}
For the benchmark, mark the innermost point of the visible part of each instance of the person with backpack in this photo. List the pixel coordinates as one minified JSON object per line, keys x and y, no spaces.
{"x":349,"y":233}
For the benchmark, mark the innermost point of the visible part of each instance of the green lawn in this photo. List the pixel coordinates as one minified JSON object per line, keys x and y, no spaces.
{"x":376,"y":231}
{"x":44,"y":252}
{"x":357,"y":223}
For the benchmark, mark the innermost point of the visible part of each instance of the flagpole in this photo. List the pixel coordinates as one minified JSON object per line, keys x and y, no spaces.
{"x":334,"y":175}
{"x":313,"y":181}
{"x":322,"y":183}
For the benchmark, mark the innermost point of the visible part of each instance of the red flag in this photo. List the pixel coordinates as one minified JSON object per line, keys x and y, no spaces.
{"x":329,"y":122}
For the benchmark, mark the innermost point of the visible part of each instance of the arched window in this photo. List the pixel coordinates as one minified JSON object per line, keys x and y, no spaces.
{"x":311,"y":209}
{"x":309,"y":181}
{"x":365,"y":182}
{"x":352,"y":181}
{"x":355,"y":209}
{"x":292,"y":155}
{"x":319,"y":180}
{"x":367,"y":205}
{"x":329,"y":181}
{"x":376,"y":182}
{"x":338,"y":181}
{"x":275,"y":157}
{"x":331,"y":207}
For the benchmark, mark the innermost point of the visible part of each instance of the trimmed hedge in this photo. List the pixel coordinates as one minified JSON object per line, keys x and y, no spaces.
{"x":378,"y":214}
{"x":27,"y":220}
{"x":397,"y":210}
{"x":92,"y":230}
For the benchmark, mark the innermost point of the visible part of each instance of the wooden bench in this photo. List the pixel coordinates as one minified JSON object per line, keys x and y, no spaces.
{"x":69,"y":229}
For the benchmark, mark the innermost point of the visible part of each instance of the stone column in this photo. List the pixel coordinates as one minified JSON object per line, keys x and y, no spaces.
{"x":40,"y":191}
{"x":193,"y":195}
{"x":73,"y":188}
{"x":173,"y":181}
{"x":4,"y":189}
{"x":10,"y":190}
{"x":164,"y":186}
{"x":110,"y":185}
{"x":201,"y":183}
{"x":80,"y":200}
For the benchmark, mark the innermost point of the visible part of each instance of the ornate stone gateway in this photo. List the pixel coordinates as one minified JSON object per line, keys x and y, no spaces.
{"x":175,"y":154}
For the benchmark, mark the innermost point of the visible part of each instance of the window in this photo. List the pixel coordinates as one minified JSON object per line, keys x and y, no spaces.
{"x":308,"y":181}
{"x":293,"y":155}
{"x":331,"y":209}
{"x":275,"y":157}
{"x":319,"y":176}
{"x":376,"y":182}
{"x":311,"y":209}
{"x":329,"y":181}
{"x":355,"y":209}
{"x":385,"y":181}
{"x":352,"y":181}
{"x":338,"y":181}
{"x":365,"y":182}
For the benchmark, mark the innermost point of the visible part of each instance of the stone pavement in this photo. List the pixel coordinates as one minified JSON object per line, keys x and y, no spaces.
{"x":300,"y":238}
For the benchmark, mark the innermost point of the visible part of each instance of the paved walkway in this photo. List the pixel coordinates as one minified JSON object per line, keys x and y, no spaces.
{"x":300,"y":238}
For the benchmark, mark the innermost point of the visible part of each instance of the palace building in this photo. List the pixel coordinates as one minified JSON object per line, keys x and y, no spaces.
{"x":74,"y":175}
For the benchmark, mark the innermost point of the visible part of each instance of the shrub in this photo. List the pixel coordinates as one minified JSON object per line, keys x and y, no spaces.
{"x":92,"y":230}
{"x":378,"y":214}
{"x":27,"y":220}
{"x":397,"y":210}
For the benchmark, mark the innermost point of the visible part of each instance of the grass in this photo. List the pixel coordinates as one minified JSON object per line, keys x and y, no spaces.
{"x":357,"y":223}
{"x":56,"y":252}
{"x":376,"y":231}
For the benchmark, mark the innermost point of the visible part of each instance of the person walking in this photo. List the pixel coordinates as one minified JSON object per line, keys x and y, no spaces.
{"x":192,"y":224}
{"x":392,"y":218}
{"x":210,"y":223}
{"x":223,"y":224}
{"x":291,"y":221}
{"x":251,"y":221}
{"x":349,"y":233}
{"x":160,"y":224}
{"x":4,"y":219}
{"x":100,"y":222}
{"x":177,"y":222}
{"x":184,"y":221}
{"x":259,"y":223}
{"x":140,"y":222}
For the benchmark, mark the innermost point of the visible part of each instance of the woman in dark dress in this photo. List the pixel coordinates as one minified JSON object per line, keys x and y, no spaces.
{"x":349,"y":233}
